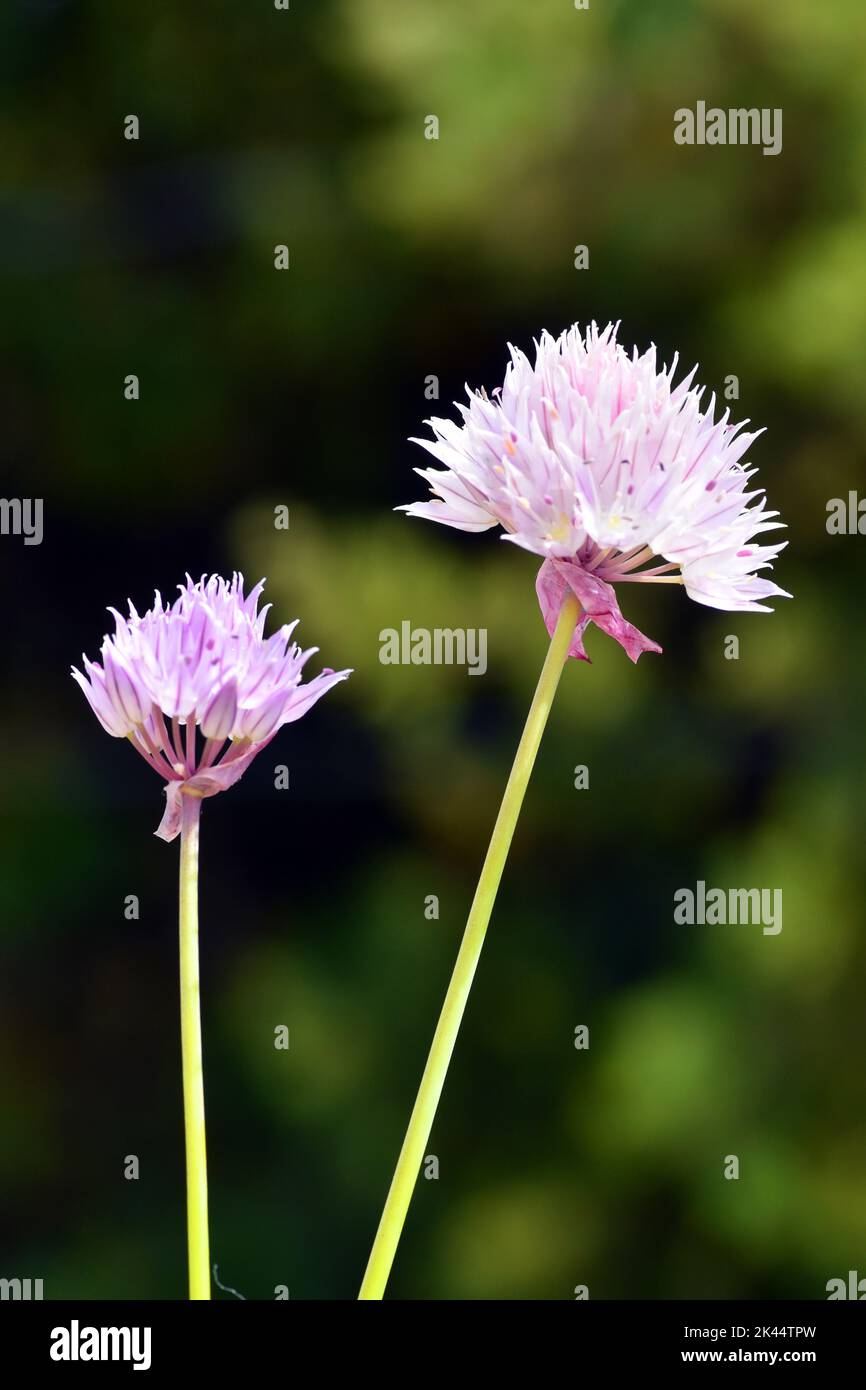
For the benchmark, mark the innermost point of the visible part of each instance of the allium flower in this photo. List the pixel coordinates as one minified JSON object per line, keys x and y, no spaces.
{"x":180,"y":683}
{"x":594,"y":459}
{"x":597,"y":462}
{"x":202,"y":664}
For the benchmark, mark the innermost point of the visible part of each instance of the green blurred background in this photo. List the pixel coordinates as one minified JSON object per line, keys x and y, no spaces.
{"x":412,"y":257}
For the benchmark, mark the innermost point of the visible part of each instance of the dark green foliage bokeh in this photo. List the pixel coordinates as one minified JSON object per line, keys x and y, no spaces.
{"x":409,"y":258}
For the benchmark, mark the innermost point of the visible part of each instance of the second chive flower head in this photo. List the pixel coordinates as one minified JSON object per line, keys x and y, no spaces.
{"x":184,"y":678}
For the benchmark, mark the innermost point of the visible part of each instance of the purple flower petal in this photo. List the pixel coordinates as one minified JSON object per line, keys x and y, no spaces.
{"x":219,"y":714}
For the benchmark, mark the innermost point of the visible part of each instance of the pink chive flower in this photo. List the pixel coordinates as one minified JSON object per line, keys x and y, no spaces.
{"x":597,"y":462}
{"x":593,"y":459}
{"x":198,"y":689}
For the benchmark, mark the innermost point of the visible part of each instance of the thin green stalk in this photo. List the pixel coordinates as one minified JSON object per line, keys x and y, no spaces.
{"x":193,"y":1077}
{"x":421,"y":1121}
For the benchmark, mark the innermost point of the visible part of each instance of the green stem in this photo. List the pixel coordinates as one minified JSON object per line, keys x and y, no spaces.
{"x":421,"y":1121}
{"x":193,"y":1077}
